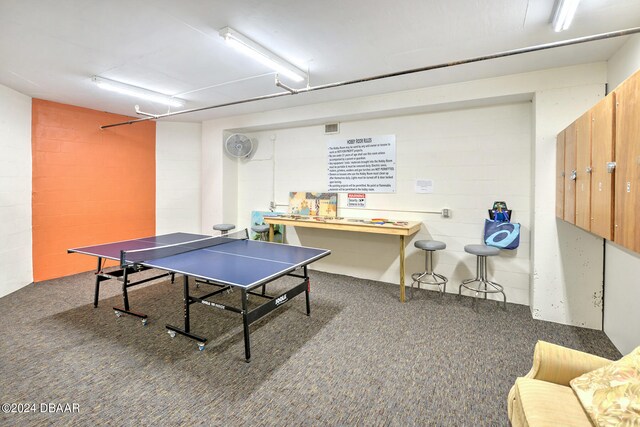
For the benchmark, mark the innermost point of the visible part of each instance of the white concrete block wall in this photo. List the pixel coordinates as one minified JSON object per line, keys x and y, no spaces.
{"x":219,"y":179}
{"x":624,"y":62}
{"x":220,"y":196}
{"x":622,"y":297}
{"x":474,"y":156}
{"x":16,"y":266}
{"x":567,"y":274}
{"x":622,"y":267}
{"x":178,"y":175}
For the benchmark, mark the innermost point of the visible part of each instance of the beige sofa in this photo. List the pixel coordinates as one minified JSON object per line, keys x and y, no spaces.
{"x":544,"y":397}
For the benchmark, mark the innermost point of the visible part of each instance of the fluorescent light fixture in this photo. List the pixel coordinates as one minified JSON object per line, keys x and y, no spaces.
{"x":261,"y":54}
{"x":563,"y":14}
{"x":137,"y":92}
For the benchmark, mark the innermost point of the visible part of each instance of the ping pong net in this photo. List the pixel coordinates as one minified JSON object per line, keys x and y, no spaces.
{"x":141,"y":255}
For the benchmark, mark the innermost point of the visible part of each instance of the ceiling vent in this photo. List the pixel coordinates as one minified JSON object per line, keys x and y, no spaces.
{"x":331,"y":128}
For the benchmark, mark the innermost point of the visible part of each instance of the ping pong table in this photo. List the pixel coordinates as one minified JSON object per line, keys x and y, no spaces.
{"x":226,"y":262}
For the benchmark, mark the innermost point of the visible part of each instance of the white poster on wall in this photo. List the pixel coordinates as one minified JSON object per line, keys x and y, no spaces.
{"x":365,"y":164}
{"x":424,"y":186}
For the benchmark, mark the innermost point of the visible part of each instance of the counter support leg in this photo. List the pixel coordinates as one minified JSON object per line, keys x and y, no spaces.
{"x":401,"y":268}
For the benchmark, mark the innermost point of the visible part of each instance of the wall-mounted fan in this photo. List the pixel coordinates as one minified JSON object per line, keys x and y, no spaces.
{"x":238,"y":145}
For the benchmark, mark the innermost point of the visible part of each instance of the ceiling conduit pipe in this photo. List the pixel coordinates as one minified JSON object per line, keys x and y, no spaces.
{"x":290,"y":91}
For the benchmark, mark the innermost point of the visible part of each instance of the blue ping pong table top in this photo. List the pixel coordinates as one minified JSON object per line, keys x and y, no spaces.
{"x":242,"y":263}
{"x":112,"y":250}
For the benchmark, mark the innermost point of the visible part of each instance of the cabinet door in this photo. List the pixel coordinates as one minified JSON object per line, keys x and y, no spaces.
{"x":560,"y":176}
{"x":583,"y":168}
{"x":570,"y":173}
{"x":602,"y":144}
{"x":627,"y":178}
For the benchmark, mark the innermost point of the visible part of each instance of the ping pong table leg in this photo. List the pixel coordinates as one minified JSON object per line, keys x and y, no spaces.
{"x":245,"y":322}
{"x":97,"y":291}
{"x":187,"y":322}
{"x":125,"y":297}
{"x":307,"y":290}
{"x":173,"y":330}
{"x":125,"y":294}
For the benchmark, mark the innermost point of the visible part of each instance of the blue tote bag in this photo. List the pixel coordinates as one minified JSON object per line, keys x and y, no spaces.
{"x":501,"y":234}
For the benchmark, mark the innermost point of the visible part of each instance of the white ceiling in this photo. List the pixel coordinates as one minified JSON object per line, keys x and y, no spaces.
{"x":50,"y":49}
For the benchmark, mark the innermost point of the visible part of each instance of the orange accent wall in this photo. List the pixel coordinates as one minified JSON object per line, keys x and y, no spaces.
{"x":90,"y":186}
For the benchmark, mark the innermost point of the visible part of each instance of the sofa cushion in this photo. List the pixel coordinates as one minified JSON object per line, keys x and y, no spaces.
{"x":611,"y":394}
{"x":541,"y":403}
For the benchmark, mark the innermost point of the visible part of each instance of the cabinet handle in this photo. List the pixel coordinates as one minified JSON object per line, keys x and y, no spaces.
{"x":574,"y":175}
{"x":588,"y":169}
{"x":611,"y":166}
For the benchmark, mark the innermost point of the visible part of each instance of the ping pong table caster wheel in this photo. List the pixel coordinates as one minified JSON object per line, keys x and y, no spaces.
{"x":201,"y":346}
{"x":172,"y":334}
{"x":118,"y":314}
{"x":144,"y":322}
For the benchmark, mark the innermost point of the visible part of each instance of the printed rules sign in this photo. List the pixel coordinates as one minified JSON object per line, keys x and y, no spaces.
{"x":364,"y":165}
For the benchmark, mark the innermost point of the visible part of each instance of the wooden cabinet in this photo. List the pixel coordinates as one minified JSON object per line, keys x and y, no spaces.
{"x":583,"y":171}
{"x":627,"y":175}
{"x":570,"y":173}
{"x":602,"y":153}
{"x":560,"y":176}
{"x":598,"y":168}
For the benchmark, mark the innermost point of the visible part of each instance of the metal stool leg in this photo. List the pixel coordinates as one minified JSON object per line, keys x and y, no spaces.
{"x":484,"y":286}
{"x":416,"y":280}
{"x":436,"y":279}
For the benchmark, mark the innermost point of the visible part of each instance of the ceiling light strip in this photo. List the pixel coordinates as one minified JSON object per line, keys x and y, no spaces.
{"x":564,"y":12}
{"x":586,"y":39}
{"x":137,"y":92}
{"x":262,"y":55}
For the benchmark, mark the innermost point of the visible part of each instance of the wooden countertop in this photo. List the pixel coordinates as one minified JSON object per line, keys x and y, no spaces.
{"x":398,"y":228}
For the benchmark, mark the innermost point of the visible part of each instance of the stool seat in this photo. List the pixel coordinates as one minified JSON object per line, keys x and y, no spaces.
{"x":430,"y":245}
{"x":260,"y":228}
{"x":224,"y":227}
{"x":428,"y":276}
{"x":481,"y":250}
{"x":262,"y":231}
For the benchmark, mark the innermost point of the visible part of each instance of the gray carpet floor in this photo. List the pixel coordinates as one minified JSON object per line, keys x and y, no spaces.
{"x":361,"y":358}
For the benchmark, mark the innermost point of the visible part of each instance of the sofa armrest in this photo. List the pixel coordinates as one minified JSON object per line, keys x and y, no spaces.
{"x":559,"y":365}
